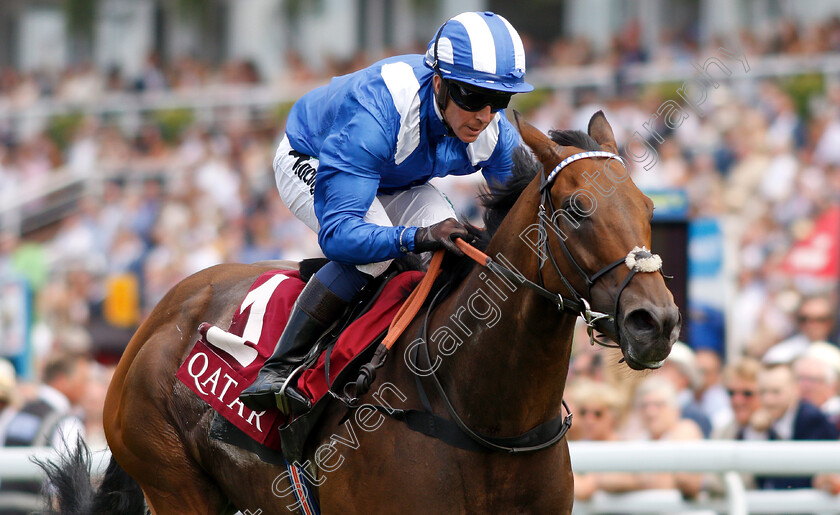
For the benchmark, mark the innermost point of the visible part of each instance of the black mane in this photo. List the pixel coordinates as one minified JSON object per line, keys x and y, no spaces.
{"x":525,"y":167}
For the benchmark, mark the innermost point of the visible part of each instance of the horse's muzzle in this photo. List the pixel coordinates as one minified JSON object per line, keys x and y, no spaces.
{"x":647,"y":334}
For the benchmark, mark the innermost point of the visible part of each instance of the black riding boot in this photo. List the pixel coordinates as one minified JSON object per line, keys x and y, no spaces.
{"x":314,"y":310}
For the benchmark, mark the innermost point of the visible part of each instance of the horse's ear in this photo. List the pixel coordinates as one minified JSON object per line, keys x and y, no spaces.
{"x":600,"y":130}
{"x":547,"y":151}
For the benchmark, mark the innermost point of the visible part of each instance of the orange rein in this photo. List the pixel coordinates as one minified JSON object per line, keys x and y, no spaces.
{"x":418,"y":296}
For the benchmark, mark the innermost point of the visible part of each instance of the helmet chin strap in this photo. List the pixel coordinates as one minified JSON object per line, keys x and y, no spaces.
{"x":442,"y":99}
{"x":442,"y":95}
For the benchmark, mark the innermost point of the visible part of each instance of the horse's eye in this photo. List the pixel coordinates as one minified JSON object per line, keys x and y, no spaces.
{"x":574,"y":209}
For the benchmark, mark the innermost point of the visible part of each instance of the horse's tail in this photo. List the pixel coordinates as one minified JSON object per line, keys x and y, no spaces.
{"x":69,"y":489}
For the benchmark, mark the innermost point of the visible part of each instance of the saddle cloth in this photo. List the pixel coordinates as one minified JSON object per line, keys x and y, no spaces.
{"x":218,"y":372}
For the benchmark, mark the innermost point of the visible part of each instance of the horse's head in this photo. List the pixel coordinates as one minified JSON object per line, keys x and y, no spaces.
{"x":593,"y":219}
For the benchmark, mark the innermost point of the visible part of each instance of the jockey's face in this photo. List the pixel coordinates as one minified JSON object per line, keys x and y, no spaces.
{"x":466,"y":125}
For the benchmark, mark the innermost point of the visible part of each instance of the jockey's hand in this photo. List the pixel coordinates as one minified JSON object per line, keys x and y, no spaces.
{"x":441,"y":236}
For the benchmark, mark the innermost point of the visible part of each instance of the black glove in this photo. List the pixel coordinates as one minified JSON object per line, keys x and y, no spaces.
{"x":441,"y":236}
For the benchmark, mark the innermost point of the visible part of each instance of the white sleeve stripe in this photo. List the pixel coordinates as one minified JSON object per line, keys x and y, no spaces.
{"x":404,"y":88}
{"x":482,"y":46}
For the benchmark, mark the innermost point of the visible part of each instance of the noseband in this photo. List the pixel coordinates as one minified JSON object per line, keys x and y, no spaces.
{"x":638,"y":260}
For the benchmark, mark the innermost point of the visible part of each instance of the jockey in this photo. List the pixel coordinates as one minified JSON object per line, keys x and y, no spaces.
{"x":357,"y":158}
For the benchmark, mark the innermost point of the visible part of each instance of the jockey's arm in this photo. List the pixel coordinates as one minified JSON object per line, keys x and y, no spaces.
{"x":345,"y":187}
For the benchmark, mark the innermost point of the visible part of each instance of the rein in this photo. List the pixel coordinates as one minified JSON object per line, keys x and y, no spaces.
{"x":540,"y":437}
{"x":640,"y":259}
{"x":457,"y":433}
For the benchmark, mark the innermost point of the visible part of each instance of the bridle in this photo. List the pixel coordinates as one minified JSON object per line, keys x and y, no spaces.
{"x":455,"y":432}
{"x":639,"y":259}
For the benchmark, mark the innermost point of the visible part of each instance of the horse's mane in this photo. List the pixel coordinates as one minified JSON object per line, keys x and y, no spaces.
{"x":525,"y":167}
{"x":499,"y":201}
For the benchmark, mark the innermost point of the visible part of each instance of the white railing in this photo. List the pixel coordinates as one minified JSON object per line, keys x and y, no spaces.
{"x":727,"y":458}
{"x":765,"y":458}
{"x":16,"y":463}
{"x":210,"y":99}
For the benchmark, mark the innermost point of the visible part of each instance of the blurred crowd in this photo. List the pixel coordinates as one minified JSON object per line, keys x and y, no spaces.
{"x":781,"y":36}
{"x":695,"y":396}
{"x":84,"y":82}
{"x":763,"y":157}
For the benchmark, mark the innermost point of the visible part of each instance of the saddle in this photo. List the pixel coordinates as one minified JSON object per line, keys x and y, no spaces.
{"x":223,"y":362}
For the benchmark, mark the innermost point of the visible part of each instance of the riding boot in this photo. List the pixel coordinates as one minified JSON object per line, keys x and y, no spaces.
{"x":315,"y":309}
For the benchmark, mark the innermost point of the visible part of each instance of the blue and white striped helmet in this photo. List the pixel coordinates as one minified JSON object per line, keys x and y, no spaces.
{"x":482,"y":49}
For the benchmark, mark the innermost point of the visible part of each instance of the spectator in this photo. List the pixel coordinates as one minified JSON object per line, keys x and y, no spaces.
{"x":588,"y":364}
{"x":816,"y":378}
{"x":711,"y":396}
{"x":598,"y":411}
{"x":51,"y":419}
{"x":152,"y":77}
{"x":657,"y":405}
{"x":784,"y":416}
{"x":680,"y":369}
{"x":7,"y":390}
{"x":740,"y":379}
{"x":48,"y":420}
{"x":92,"y":404}
{"x":815,"y":320}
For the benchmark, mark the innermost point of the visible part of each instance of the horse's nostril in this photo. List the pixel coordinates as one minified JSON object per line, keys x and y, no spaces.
{"x":640,"y":321}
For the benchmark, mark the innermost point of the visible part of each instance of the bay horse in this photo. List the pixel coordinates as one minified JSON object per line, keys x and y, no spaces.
{"x":505,"y":378}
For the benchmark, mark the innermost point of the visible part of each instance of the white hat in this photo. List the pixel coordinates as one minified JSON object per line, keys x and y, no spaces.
{"x":825,"y":352}
{"x":683,"y":358}
{"x":7,"y":380}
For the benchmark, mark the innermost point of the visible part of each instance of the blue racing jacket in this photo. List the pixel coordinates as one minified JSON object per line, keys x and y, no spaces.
{"x":378,"y":131}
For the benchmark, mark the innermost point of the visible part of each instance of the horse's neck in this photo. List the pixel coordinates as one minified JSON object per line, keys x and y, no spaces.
{"x":509,"y":372}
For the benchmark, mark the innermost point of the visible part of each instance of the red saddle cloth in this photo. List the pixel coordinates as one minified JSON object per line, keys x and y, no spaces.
{"x":218,"y":372}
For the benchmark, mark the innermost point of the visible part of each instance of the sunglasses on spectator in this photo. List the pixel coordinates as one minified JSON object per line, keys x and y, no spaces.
{"x":474,"y":99}
{"x":815,"y":318}
{"x":745,"y":393}
{"x":597,"y":413}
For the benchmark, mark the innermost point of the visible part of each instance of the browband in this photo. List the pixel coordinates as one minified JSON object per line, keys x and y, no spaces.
{"x":577,"y":157}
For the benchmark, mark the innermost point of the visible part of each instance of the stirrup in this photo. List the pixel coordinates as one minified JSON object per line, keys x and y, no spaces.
{"x":289,"y":401}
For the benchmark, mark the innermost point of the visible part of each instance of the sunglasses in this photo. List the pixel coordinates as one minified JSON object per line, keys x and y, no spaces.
{"x":597,"y":413}
{"x":474,"y":99}
{"x":819,"y":319}
{"x":745,"y":393}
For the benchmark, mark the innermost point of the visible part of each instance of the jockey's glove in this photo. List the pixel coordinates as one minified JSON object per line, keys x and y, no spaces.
{"x":441,"y":236}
